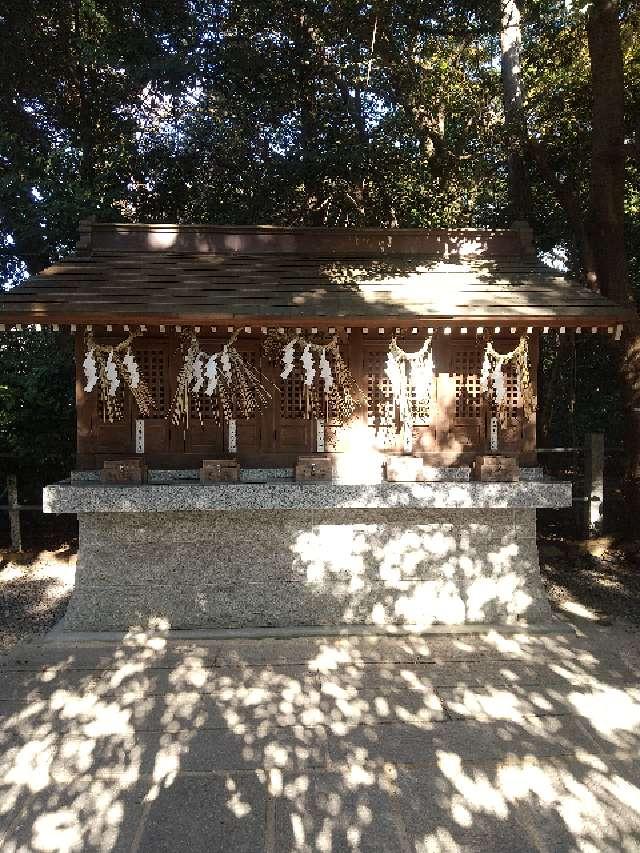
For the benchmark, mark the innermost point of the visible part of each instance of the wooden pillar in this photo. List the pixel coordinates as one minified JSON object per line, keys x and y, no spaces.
{"x":594,"y":482}
{"x":14,"y":512}
{"x":528,"y":454}
{"x":85,"y":450}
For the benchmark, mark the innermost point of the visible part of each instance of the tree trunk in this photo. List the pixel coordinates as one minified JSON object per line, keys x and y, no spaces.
{"x":606,"y":202}
{"x":606,"y":213}
{"x":512,"y":96}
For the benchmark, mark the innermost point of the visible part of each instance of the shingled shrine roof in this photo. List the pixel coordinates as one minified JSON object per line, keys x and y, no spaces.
{"x":270,"y":275}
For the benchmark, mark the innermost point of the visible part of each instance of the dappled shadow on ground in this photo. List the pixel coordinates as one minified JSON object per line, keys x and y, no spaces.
{"x":35,"y":587}
{"x":366,"y":744}
{"x":600,"y":575}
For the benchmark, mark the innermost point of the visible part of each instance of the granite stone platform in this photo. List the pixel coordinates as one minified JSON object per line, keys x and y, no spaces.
{"x":279,"y":554}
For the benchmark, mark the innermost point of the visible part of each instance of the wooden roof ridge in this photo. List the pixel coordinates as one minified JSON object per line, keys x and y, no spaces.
{"x":266,"y":239}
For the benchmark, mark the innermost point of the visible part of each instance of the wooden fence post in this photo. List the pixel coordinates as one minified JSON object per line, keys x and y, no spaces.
{"x":594,"y":482}
{"x":14,"y":512}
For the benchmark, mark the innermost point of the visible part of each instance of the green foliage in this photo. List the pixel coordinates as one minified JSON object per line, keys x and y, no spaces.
{"x":37,"y":407}
{"x":193,"y":111}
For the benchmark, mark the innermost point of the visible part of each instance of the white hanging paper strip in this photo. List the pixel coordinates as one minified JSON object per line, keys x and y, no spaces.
{"x":307,"y":363}
{"x":493,"y":433}
{"x":197,"y":373}
{"x":90,"y":370}
{"x":392,"y":369}
{"x":421,"y":377}
{"x":325,"y":370}
{"x":339,"y":395}
{"x":134,"y":372}
{"x":498,"y":384}
{"x":211,"y":372}
{"x":484,"y":375}
{"x":288,"y":354}
{"x":225,"y":361}
{"x":112,"y":375}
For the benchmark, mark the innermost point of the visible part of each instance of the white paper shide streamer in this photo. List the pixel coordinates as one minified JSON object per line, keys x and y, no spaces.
{"x":197,"y":373}
{"x":225,"y":361}
{"x":112,"y":375}
{"x":90,"y":370}
{"x":288,"y":355}
{"x":110,"y":367}
{"x":411,"y":377}
{"x":325,"y":370}
{"x":235,"y":388}
{"x":307,"y":364}
{"x":132,"y":368}
{"x":211,"y":372}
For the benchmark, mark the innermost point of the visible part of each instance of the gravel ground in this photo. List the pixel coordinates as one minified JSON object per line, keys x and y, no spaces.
{"x":34,"y":590}
{"x":595,"y":585}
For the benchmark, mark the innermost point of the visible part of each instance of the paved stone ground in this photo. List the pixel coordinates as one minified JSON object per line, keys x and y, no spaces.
{"x":467,"y":743}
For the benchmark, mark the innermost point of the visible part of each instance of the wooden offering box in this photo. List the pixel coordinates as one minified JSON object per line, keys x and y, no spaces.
{"x":125,"y":471}
{"x":219,"y":471}
{"x":496,"y":469}
{"x":314,"y":468}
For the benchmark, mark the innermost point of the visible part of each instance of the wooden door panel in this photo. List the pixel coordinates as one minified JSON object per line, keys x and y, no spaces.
{"x":156,"y":436}
{"x":381,"y":410}
{"x":294,"y":421}
{"x":113,"y":438}
{"x":382,"y":417}
{"x":249,"y":431}
{"x":205,"y":439}
{"x":463,"y":423}
{"x":296,"y":437}
{"x":510,"y":437}
{"x":152,"y":358}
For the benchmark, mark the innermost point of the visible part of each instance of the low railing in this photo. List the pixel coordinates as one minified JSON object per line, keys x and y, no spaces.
{"x":597,"y":477}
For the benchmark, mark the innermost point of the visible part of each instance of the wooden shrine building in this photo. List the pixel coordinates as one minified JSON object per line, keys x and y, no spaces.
{"x":263,"y":347}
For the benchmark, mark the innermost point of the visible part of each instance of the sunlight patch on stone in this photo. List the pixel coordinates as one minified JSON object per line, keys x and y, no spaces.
{"x":58,"y":831}
{"x":477,"y":792}
{"x":608,"y":710}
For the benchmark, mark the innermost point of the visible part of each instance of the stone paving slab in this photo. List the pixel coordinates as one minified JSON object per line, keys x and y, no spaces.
{"x":103,"y":816}
{"x":469,"y":743}
{"x":206,"y":814}
{"x":338,"y":813}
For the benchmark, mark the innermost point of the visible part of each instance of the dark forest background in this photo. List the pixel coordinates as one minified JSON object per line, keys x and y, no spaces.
{"x":319,"y":113}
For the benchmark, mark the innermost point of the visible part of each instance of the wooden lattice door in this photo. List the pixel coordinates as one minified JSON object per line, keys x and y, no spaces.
{"x":382,"y":415}
{"x":465,"y":427}
{"x":153,"y":361}
{"x":205,"y":434}
{"x":511,"y":432}
{"x":249,"y":431}
{"x":107,"y":437}
{"x":294,"y":413}
{"x":381,"y":410}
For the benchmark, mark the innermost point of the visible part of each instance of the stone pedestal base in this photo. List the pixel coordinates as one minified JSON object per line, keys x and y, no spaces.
{"x":312,"y":567}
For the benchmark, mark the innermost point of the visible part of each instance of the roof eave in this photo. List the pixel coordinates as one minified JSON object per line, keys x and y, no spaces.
{"x":584,"y":317}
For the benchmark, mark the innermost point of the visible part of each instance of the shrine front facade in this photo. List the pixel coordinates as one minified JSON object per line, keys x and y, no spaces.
{"x":358,"y":383}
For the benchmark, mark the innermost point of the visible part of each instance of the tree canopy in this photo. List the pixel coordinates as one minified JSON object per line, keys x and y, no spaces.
{"x":322,"y":113}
